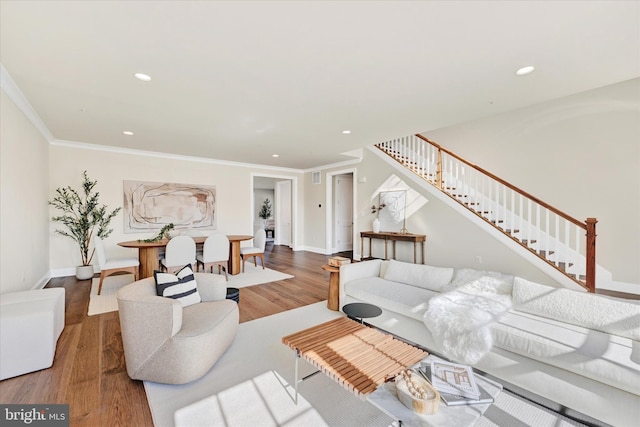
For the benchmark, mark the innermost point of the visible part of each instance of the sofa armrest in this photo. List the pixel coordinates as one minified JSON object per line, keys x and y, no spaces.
{"x":358,"y":270}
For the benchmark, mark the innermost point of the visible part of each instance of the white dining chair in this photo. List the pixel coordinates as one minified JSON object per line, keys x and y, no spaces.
{"x":180,"y":251}
{"x":114,"y":265}
{"x":256,"y":251}
{"x":215,"y":251}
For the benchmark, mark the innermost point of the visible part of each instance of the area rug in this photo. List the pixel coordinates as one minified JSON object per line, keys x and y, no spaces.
{"x":251,"y":386}
{"x":106,"y":301}
{"x":255,"y":276}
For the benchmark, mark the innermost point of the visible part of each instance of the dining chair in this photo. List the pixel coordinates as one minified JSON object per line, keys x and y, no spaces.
{"x":115,"y":265}
{"x":180,"y":251}
{"x":256,"y":251}
{"x":215,"y":251}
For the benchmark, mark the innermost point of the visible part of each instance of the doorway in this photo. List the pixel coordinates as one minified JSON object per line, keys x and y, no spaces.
{"x":341,"y":221}
{"x":281,"y":192}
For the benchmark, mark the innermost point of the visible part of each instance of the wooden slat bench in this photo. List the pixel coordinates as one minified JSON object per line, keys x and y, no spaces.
{"x":358,"y":357}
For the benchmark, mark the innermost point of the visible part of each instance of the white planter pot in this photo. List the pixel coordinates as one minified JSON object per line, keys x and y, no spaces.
{"x":376,"y":225}
{"x":84,"y":272}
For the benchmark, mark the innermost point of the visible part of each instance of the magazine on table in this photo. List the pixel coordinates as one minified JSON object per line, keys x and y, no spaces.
{"x":454,"y":379}
{"x":455,"y":399}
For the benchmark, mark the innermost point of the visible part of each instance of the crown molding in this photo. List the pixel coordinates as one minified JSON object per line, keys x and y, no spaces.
{"x":15,"y":94}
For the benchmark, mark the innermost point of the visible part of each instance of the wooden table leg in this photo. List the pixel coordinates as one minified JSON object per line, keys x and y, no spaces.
{"x":234,"y":257}
{"x":149,"y":261}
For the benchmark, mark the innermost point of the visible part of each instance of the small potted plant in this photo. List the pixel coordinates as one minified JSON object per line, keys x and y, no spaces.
{"x":265,"y":212}
{"x":81,"y":215}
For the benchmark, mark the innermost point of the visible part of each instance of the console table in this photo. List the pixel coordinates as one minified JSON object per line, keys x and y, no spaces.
{"x":393,"y":237}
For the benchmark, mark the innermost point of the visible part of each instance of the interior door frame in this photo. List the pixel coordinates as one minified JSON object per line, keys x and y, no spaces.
{"x":329,"y":244}
{"x":294,"y":202}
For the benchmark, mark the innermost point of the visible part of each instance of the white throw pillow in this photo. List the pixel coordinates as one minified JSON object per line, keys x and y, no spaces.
{"x":610,"y":315}
{"x":420,"y":275}
{"x":181,"y":286}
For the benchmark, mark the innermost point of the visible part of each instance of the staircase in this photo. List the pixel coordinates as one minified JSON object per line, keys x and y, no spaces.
{"x":562,"y":242}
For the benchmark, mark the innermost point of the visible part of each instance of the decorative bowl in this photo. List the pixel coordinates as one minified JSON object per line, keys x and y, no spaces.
{"x":416,"y":393}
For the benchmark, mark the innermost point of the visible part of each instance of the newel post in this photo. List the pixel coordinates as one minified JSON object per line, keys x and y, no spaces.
{"x":591,"y":254}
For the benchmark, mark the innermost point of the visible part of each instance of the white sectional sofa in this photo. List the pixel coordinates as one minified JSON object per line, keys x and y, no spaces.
{"x":579,"y":351}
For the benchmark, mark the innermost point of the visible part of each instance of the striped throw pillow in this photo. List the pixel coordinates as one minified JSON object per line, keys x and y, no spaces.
{"x":180,"y":286}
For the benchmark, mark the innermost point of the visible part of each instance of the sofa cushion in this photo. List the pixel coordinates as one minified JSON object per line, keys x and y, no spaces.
{"x":181,"y":286}
{"x":596,"y":355}
{"x":397,"y":297}
{"x":610,"y":315}
{"x":420,"y":275}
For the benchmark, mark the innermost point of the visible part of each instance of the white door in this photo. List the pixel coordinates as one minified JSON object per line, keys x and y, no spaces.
{"x":343,"y":212}
{"x":283,"y":216}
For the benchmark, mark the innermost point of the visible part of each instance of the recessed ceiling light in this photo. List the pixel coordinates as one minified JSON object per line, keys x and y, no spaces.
{"x":525,"y":70}
{"x":127,"y":132}
{"x":143,"y":77}
{"x":275,"y":155}
{"x":346,"y":132}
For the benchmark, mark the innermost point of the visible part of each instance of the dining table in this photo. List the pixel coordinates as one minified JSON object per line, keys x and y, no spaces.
{"x":149,"y":253}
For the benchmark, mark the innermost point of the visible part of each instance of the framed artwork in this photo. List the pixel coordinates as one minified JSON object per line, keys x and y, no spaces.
{"x":152,"y":205}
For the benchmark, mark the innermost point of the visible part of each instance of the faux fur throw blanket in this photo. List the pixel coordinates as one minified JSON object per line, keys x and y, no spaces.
{"x":460,"y":320}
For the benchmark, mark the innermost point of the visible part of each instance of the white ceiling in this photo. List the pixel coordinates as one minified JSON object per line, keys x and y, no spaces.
{"x":244,"y":80}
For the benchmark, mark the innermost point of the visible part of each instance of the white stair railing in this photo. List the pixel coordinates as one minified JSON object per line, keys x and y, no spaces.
{"x":546,"y":231}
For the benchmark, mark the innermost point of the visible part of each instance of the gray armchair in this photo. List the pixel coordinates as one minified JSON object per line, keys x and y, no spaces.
{"x":166,"y":343}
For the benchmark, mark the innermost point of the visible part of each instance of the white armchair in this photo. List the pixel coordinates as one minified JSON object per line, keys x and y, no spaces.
{"x":165,"y":342}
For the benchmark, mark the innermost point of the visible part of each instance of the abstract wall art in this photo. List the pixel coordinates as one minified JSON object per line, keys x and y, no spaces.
{"x":152,"y":205}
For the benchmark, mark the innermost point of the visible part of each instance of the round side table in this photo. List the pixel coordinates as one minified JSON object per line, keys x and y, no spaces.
{"x":361,"y":310}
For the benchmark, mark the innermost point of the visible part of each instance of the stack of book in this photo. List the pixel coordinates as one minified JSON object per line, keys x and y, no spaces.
{"x":455,"y":383}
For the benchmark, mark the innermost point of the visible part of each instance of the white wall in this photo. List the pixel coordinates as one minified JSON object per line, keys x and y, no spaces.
{"x":111,"y":168}
{"x":315,"y":214}
{"x":580,"y":153}
{"x":24,"y":212}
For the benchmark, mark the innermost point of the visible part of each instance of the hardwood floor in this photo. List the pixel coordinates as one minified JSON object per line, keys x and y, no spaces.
{"x":89,"y":372}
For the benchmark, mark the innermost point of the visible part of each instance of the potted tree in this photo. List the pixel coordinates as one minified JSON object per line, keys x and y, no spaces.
{"x":81,"y":215}
{"x":265,"y":212}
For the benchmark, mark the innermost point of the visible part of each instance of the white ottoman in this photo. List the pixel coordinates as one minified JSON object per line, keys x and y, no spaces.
{"x":30,"y":324}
